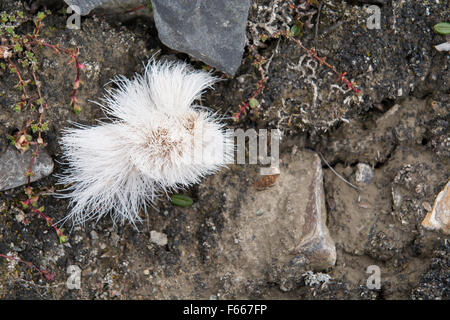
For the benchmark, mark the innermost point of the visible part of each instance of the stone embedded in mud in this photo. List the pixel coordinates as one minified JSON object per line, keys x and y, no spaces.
{"x":211,"y":31}
{"x":364,"y":173}
{"x":271,"y":235}
{"x":439,"y":217}
{"x":292,"y":235}
{"x":13,"y":166}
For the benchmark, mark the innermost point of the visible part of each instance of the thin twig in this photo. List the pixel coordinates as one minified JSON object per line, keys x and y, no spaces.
{"x":317,"y":26}
{"x":42,"y":272}
{"x":339,"y":176}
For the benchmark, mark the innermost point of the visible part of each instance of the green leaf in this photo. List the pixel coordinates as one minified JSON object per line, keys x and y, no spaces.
{"x":25,"y":63}
{"x":41,"y":15}
{"x":442,"y":28}
{"x":11,"y":139}
{"x":62,"y":239}
{"x":253,"y":103}
{"x":4,"y":17}
{"x":18,"y":48}
{"x":76,"y":108}
{"x":44,"y":126}
{"x":17,"y":107}
{"x":297,"y":28}
{"x":10,"y":30}
{"x":181,"y":200}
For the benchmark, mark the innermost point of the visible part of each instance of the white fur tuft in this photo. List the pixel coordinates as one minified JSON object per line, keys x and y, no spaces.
{"x":156,"y":142}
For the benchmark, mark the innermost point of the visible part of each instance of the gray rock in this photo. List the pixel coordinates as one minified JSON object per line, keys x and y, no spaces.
{"x":13,"y":166}
{"x":86,"y":5}
{"x":211,"y":31}
{"x":158,"y":238}
{"x":364,"y":173}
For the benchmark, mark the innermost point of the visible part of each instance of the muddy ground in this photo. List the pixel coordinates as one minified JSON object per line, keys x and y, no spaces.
{"x":399,"y":127}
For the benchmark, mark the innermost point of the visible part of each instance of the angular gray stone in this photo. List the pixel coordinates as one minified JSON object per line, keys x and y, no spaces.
{"x":13,"y":166}
{"x":86,"y":5}
{"x":211,"y":31}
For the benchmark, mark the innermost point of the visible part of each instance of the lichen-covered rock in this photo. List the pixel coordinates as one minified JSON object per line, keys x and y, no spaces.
{"x":14,"y":165}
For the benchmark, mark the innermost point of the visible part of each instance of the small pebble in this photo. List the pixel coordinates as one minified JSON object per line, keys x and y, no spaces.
{"x":94,"y":235}
{"x":364,"y":173}
{"x":158,"y":238}
{"x":426,"y":206}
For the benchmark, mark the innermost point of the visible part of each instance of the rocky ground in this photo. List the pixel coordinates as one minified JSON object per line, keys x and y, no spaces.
{"x":311,"y":235}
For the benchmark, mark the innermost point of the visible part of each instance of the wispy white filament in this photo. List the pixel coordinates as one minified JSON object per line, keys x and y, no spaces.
{"x":157,"y":141}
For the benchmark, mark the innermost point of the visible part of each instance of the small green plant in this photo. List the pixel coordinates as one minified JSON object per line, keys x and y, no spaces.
{"x":442,"y":28}
{"x":18,"y":54}
{"x":12,"y":257}
{"x":181,"y":200}
{"x":293,"y":33}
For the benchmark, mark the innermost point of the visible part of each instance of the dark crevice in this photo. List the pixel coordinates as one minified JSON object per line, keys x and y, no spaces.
{"x":380,"y":164}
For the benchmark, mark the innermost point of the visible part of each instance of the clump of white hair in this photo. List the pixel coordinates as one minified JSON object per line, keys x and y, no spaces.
{"x":157,"y":141}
